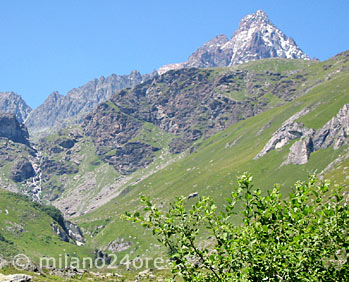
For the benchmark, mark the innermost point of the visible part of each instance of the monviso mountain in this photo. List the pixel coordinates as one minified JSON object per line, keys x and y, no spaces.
{"x":253,"y":103}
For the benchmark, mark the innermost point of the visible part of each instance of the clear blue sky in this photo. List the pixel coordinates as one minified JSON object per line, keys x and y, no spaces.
{"x":59,"y":44}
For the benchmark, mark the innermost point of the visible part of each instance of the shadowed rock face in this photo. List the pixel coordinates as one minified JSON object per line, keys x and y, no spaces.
{"x":11,"y":129}
{"x":22,"y":170}
{"x":15,"y":150}
{"x":256,"y":38}
{"x":69,"y":232}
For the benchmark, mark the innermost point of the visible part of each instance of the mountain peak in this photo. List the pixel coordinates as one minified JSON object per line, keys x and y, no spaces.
{"x":259,"y":15}
{"x":11,"y":102}
{"x":258,"y":19}
{"x":256,"y":38}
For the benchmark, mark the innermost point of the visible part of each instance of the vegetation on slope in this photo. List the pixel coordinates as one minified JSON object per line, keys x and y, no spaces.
{"x":26,"y":228}
{"x":300,"y":238}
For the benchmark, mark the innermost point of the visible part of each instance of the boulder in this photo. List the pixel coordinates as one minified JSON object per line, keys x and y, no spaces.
{"x":3,"y":262}
{"x":193,"y":195}
{"x":22,"y":170}
{"x":66,"y":143}
{"x":15,"y":278}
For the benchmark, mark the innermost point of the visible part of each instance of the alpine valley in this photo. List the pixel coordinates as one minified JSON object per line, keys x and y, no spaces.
{"x":71,"y":167}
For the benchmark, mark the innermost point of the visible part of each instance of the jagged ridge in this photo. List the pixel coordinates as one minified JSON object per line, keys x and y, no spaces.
{"x":58,"y":110}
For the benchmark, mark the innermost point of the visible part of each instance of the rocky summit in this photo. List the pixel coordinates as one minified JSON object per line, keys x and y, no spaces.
{"x":256,"y":38}
{"x":13,"y":103}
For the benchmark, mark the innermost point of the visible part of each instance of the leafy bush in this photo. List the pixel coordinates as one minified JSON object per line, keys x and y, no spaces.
{"x":301,"y":238}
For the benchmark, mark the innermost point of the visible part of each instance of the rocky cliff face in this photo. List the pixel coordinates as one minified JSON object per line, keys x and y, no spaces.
{"x":14,"y":104}
{"x":58,"y":110}
{"x":13,"y":130}
{"x":334,"y":132}
{"x":256,"y":38}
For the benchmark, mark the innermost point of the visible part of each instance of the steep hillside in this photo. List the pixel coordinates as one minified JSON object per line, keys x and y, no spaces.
{"x":32,"y":229}
{"x":256,"y":38}
{"x":211,"y":167}
{"x":143,"y":129}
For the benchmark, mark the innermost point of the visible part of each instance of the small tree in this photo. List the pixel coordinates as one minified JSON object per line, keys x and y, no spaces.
{"x":301,"y":238}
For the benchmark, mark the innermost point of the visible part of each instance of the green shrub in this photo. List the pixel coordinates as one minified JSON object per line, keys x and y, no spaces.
{"x":301,"y":238}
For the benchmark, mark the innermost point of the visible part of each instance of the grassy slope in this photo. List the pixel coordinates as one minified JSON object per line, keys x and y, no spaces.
{"x":212,"y":169}
{"x":27,"y":229}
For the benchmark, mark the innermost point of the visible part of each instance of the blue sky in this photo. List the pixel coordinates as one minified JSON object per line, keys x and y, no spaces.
{"x":58,"y":45}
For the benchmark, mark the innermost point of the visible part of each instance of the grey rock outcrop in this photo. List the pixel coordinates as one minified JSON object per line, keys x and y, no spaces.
{"x":74,"y":232}
{"x":256,"y":38}
{"x":12,"y":103}
{"x":289,"y":130}
{"x":333,"y":133}
{"x":60,"y":232}
{"x":11,"y":129}
{"x":3,"y":263}
{"x":69,"y":232}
